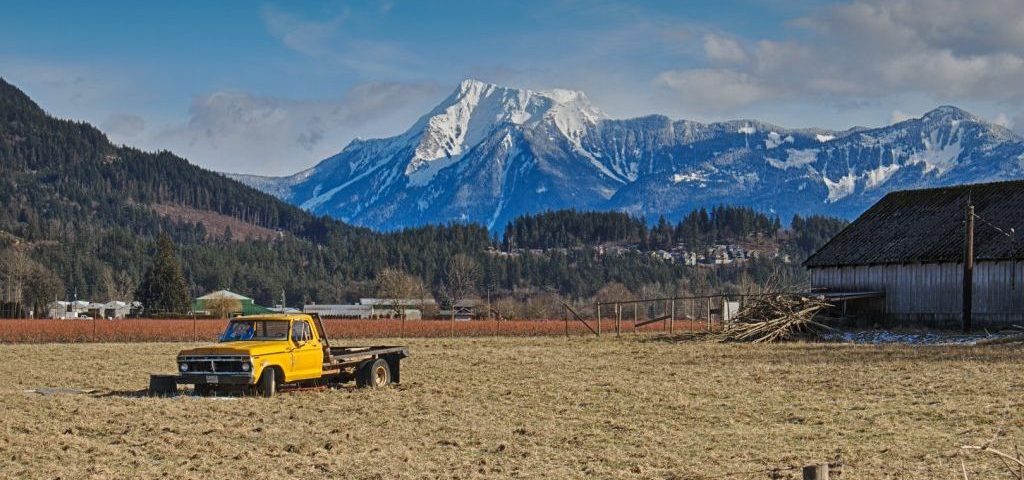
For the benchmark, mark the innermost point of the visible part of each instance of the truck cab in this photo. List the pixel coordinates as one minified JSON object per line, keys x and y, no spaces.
{"x":260,"y":353}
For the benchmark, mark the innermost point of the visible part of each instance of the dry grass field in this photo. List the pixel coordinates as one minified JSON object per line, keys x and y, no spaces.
{"x":526,"y":408}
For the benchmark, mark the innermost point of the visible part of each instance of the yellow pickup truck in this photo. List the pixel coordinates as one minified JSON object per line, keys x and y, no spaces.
{"x":259,"y":353}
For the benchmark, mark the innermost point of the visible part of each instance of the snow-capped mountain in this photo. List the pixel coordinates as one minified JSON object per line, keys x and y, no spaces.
{"x":489,"y":153}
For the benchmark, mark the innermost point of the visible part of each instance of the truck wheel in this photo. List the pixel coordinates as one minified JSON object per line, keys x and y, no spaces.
{"x":374,"y":374}
{"x":268,"y":383}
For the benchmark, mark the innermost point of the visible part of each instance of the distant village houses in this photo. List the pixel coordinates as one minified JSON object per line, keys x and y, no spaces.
{"x":111,"y":310}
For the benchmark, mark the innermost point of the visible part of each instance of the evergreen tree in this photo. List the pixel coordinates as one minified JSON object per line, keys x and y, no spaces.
{"x":163,"y":288}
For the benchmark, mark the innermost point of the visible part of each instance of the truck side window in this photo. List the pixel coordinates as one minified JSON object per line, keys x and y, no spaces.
{"x":300,"y":332}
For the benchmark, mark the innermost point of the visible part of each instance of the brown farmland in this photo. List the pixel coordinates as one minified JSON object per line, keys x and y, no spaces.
{"x":184,"y":330}
{"x":535,"y":407}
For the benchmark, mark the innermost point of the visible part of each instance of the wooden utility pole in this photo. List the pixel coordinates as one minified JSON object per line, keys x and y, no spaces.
{"x":968,"y":268}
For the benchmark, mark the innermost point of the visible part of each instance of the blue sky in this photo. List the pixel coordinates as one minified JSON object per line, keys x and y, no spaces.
{"x":274,"y":87}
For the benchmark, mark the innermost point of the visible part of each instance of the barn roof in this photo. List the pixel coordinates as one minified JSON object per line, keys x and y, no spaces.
{"x":927,"y":225}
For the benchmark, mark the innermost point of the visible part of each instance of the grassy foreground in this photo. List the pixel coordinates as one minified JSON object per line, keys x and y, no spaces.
{"x":527,"y":408}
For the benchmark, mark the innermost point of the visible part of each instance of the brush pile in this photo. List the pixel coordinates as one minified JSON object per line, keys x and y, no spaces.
{"x":775,"y":318}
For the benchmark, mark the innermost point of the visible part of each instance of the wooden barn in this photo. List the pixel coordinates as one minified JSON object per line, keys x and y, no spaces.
{"x":902,"y":261}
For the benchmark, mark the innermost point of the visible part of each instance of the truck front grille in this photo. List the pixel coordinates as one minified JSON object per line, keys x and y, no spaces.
{"x":215,"y":364}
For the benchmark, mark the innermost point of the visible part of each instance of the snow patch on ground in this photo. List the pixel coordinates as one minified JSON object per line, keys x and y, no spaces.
{"x":940,"y":159}
{"x":426,"y":171}
{"x":877,"y":176}
{"x":840,"y":189}
{"x":689,"y":177}
{"x":794,"y":158}
{"x":882,"y":337}
{"x":824,"y":138}
{"x":324,"y":197}
{"x":747,"y":130}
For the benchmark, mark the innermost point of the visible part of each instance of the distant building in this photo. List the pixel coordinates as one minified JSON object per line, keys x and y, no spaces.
{"x":372,"y":308}
{"x":464,"y":309}
{"x":112,"y":310}
{"x":247,"y":306}
{"x":902,"y":259}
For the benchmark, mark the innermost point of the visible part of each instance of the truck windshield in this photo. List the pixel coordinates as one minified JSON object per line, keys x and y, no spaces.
{"x":255,"y":330}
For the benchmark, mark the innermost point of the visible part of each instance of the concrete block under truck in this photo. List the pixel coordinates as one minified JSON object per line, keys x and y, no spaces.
{"x":260,"y":353}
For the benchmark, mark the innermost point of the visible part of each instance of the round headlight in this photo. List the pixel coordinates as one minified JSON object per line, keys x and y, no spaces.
{"x":183,"y":367}
{"x":245,"y":367}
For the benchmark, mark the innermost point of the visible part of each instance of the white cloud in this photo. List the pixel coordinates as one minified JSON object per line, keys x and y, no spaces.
{"x":326,"y":41}
{"x":865,"y":50}
{"x":714,"y":89}
{"x":308,"y":37}
{"x":240,"y":132}
{"x":898,"y":116}
{"x":724,"y":49}
{"x":1003,"y":120}
{"x":123,"y":127}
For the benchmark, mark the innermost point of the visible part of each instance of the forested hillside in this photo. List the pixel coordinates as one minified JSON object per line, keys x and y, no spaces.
{"x":79,"y":218}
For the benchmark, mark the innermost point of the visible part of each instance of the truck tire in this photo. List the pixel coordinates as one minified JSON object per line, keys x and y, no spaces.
{"x":267,"y":385}
{"x":374,"y":374}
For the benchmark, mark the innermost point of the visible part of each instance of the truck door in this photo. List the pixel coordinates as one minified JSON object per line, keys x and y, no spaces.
{"x":307,"y":354}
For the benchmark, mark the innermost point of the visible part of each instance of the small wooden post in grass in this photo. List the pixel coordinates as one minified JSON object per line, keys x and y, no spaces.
{"x":816,"y":472}
{"x":598,"y":308}
{"x":93,"y":329}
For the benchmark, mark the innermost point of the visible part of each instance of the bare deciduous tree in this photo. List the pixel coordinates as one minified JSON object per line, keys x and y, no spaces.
{"x":507,"y":308}
{"x":613,"y":292}
{"x":399,"y":288}
{"x":461,"y":276}
{"x":223,"y":307}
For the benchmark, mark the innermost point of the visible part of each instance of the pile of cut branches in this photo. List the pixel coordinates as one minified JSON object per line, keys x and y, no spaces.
{"x":774,"y":318}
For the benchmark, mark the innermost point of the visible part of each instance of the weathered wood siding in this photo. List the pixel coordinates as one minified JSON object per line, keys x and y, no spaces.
{"x":931,"y":293}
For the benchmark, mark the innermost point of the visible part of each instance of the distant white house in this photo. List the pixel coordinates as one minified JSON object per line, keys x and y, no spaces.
{"x":371,"y":308}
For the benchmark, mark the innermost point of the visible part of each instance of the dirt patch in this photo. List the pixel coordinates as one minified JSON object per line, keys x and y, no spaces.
{"x":216,"y":224}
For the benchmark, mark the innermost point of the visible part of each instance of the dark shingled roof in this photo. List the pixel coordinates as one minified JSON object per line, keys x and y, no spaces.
{"x":927,"y":225}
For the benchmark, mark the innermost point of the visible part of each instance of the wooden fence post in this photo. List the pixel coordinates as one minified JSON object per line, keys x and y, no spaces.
{"x":672,"y":317}
{"x":598,"y":308}
{"x":618,"y":319}
{"x":709,"y":313}
{"x":565,"y":317}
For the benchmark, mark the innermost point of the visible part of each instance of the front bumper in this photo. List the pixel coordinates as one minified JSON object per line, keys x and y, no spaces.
{"x":214,"y":379}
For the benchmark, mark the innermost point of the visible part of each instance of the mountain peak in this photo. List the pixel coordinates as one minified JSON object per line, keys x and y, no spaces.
{"x":947,"y":113}
{"x":476,"y":109}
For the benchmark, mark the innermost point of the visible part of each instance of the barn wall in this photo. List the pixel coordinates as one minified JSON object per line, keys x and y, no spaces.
{"x":930,"y":294}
